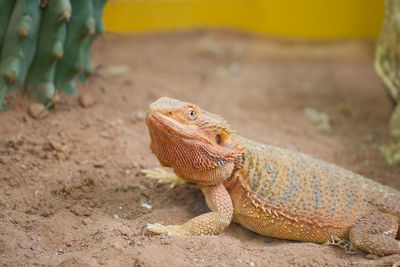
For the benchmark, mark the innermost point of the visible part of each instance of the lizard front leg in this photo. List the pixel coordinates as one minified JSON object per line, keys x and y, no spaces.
{"x":211,"y":223}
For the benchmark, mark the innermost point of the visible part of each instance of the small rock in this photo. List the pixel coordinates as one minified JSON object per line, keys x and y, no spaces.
{"x":115,"y":70}
{"x":56,"y":145}
{"x":47,"y":213}
{"x":269,"y":240}
{"x":134,"y":165}
{"x":117,"y":121}
{"x":139,"y":116}
{"x":320,"y":119}
{"x":86,"y":100}
{"x":80,"y":210}
{"x":86,"y":221}
{"x":37,"y":111}
{"x":147,"y":206}
{"x":99,"y":164}
{"x":47,"y":147}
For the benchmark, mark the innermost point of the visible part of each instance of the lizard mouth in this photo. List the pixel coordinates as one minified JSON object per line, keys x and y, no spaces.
{"x":171,"y":127}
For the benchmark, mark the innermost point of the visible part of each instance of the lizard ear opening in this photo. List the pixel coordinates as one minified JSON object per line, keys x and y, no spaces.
{"x":218,"y":139}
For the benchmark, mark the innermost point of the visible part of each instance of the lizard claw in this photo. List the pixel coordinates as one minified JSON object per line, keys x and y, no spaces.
{"x":342,"y":243}
{"x":159,"y":229}
{"x":155,"y":228}
{"x":163,"y":176}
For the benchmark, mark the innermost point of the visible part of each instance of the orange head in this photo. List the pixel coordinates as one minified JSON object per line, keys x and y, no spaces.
{"x":197,"y":144}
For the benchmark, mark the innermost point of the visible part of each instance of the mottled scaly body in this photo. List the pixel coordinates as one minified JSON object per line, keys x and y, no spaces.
{"x":291,"y":195}
{"x":270,"y":190}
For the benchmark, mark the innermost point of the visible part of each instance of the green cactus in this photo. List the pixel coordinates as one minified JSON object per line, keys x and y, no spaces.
{"x":41,"y":49}
{"x":80,"y":27}
{"x":40,"y":80}
{"x":5,"y":12}
{"x":19,"y":44}
{"x":98,"y":6}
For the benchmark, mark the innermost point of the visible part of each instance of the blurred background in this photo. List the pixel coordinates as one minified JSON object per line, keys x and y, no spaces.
{"x":311,"y":19}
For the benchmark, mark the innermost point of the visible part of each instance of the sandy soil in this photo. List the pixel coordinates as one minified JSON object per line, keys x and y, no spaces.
{"x":70,"y":189}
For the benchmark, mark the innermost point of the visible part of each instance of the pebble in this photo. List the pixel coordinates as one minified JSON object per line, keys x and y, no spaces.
{"x":57,"y":146}
{"x":320,"y":119}
{"x":86,"y":221}
{"x":37,"y":111}
{"x":99,"y":164}
{"x":86,"y":100}
{"x":269,"y":240}
{"x":115,"y":70}
{"x":147,"y":206}
{"x":139,"y":116}
{"x":134,"y":165}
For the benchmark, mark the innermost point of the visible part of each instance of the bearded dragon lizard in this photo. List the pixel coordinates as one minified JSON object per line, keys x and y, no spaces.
{"x":270,"y":190}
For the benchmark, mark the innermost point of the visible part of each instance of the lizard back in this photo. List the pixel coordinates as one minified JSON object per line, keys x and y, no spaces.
{"x":311,"y":189}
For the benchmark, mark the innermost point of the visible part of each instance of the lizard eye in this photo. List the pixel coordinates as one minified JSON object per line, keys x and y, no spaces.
{"x":192,"y":114}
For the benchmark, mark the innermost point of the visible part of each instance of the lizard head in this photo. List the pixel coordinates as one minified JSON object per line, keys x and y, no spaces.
{"x":197,"y":144}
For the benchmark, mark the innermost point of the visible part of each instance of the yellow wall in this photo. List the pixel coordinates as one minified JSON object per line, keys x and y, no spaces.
{"x":313,"y":19}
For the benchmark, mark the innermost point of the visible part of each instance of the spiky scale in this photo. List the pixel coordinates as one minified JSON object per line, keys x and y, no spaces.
{"x":40,"y":81}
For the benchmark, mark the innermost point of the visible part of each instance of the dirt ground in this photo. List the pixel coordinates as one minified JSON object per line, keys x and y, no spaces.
{"x":70,"y":189}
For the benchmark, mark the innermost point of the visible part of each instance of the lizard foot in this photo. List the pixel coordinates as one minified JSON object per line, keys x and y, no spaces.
{"x":342,"y":243}
{"x":163,"y":176}
{"x":169,"y":230}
